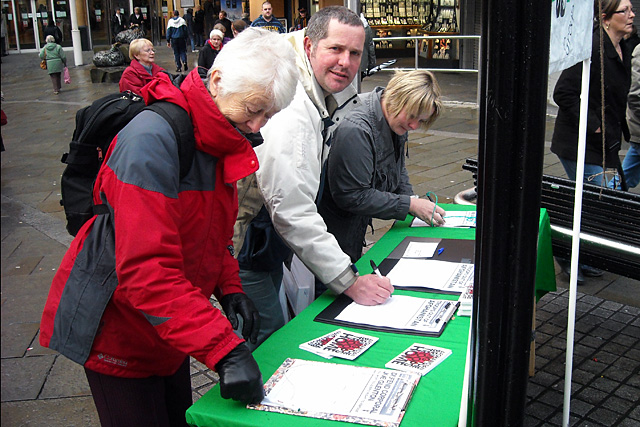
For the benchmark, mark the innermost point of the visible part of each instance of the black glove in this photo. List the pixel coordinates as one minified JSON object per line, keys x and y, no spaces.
{"x":239,"y":303}
{"x":240,"y":377}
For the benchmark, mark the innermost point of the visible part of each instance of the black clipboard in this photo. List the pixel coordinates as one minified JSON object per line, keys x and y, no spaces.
{"x":453,"y":250}
{"x":333,"y":310}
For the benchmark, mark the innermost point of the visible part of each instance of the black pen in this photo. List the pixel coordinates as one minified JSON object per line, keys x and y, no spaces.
{"x":375,"y":269}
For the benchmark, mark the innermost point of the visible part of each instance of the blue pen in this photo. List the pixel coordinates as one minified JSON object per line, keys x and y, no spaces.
{"x":440,"y":251}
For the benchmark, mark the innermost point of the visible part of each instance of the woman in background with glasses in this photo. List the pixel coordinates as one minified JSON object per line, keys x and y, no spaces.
{"x":142,"y":68}
{"x":616,"y":22}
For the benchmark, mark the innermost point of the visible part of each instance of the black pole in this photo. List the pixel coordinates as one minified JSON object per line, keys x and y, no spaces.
{"x":514,"y":67}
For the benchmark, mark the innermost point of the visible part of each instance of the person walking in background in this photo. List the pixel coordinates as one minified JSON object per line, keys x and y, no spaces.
{"x":301,"y":20}
{"x":142,"y":68}
{"x":245,"y":18}
{"x":177,"y":40}
{"x":617,"y":22}
{"x":223,"y":30}
{"x":237,"y":27}
{"x":268,"y":21}
{"x":152,"y":263}
{"x":118,"y":23}
{"x":56,"y":59}
{"x":377,"y":185}
{"x":222,"y":19}
{"x":52,"y":30}
{"x":631,"y":162}
{"x":198,"y":26}
{"x":209,"y":52}
{"x":136,"y":20}
{"x":188,"y":18}
{"x":369,"y":52}
{"x":210,"y":16}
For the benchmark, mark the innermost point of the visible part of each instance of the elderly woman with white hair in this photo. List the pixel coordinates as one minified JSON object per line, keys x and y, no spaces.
{"x":142,"y":68}
{"x":130,"y":301}
{"x":56,"y":59}
{"x":210,"y":50}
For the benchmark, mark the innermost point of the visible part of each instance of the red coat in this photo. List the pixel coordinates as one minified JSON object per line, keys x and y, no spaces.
{"x":135,"y":76}
{"x":171,"y":249}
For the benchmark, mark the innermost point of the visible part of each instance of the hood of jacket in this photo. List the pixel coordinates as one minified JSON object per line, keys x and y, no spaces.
{"x":213,"y":133}
{"x":176,"y":22}
{"x":51,"y":46}
{"x":305,"y":72}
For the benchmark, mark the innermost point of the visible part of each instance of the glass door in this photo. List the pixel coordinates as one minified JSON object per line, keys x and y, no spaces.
{"x":24,"y":18}
{"x":63,"y":20}
{"x":42,"y":16}
{"x":99,"y":21}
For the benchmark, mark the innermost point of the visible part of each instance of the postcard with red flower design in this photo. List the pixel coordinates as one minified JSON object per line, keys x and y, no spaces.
{"x":419,"y":358}
{"x":340,"y":343}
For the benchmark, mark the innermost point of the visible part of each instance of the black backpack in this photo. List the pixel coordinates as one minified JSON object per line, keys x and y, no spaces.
{"x":96,"y":126}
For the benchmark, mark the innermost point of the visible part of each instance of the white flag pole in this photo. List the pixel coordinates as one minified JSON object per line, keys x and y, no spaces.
{"x":575,"y":242}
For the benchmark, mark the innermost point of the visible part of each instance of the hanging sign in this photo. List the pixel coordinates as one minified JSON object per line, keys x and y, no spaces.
{"x":571,"y":30}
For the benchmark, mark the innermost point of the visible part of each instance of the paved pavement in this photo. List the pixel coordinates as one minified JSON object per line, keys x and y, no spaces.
{"x":41,"y":388}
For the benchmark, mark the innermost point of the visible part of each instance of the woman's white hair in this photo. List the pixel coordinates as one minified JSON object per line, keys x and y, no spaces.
{"x":215,"y":32}
{"x":258,"y":60}
{"x":50,"y":39}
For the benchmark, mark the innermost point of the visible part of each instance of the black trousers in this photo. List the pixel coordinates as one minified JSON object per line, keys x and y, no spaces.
{"x":153,"y":401}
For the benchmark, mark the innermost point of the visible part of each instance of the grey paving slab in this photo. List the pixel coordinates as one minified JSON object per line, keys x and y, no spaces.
{"x":17,"y":338}
{"x":65,"y":379}
{"x":23,"y":378}
{"x":71,"y":412}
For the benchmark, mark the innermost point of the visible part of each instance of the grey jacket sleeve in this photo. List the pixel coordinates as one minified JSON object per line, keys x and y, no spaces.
{"x":351,"y":172}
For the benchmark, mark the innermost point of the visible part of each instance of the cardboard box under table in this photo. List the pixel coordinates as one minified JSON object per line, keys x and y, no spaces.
{"x":436,"y":400}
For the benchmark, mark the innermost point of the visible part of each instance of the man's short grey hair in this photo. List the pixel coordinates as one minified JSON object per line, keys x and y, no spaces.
{"x":258,"y":60}
{"x":50,"y":39}
{"x":318,"y":27}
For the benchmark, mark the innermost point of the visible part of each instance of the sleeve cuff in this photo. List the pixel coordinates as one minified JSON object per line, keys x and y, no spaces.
{"x":344,"y":279}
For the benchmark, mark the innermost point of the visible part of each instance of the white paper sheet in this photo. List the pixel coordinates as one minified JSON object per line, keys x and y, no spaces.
{"x":420,"y":250}
{"x":432,"y":274}
{"x":452,"y":220}
{"x":402,"y":312}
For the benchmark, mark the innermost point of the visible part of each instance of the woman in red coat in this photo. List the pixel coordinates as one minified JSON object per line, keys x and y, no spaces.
{"x":143,"y":67}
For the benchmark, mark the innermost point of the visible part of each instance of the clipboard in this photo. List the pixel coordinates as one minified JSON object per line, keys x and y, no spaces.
{"x":332,"y":311}
{"x":453,"y":250}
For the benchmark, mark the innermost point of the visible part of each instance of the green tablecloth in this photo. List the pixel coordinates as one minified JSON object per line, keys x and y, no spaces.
{"x":436,"y":400}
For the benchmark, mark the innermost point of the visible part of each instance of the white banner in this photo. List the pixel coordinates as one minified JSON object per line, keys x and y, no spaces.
{"x":571,"y":30}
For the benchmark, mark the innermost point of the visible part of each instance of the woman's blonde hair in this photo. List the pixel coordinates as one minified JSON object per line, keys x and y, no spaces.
{"x":136,"y":47}
{"x":414,"y":92}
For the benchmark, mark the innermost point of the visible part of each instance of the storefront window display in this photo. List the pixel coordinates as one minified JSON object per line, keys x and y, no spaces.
{"x":405,"y":18}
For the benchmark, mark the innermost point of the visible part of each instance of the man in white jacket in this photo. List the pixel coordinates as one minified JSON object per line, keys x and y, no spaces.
{"x":297,"y":144}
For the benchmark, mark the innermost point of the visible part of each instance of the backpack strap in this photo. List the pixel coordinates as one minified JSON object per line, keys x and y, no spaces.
{"x":180,"y":122}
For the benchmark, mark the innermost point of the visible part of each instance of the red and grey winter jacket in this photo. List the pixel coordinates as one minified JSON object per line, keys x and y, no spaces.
{"x":165,"y":247}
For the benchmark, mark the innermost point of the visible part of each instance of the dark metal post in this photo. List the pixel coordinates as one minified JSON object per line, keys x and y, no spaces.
{"x":514,"y":66}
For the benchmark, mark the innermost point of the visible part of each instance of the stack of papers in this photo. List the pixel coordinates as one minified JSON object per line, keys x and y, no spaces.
{"x":431,"y":275}
{"x":466,"y":302}
{"x":347,"y":393}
